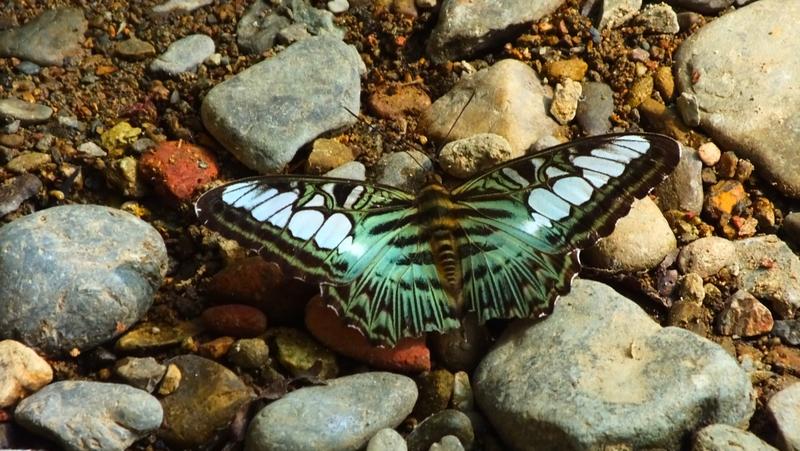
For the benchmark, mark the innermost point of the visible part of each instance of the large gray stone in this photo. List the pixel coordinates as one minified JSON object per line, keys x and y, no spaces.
{"x":768,"y":269}
{"x":83,"y":415}
{"x":48,"y":39}
{"x":341,"y":415}
{"x":262,"y":23}
{"x":599,"y":372}
{"x":738,"y":75}
{"x":467,"y":28}
{"x":723,"y":437}
{"x":266,"y":113}
{"x":76,"y":276}
{"x":784,"y":408}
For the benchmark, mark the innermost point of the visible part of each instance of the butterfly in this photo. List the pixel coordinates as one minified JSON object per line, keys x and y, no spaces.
{"x":393,"y":264}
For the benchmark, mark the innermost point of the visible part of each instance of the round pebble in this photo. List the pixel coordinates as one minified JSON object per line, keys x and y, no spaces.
{"x":235,"y":320}
{"x":23,"y":372}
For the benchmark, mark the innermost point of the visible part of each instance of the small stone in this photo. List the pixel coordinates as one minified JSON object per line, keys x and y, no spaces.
{"x":13,"y":140}
{"x":764,"y":212}
{"x":464,"y":158}
{"x":565,"y":101}
{"x":573,"y":68}
{"x":144,"y":373}
{"x":709,"y":153}
{"x":50,"y":39}
{"x":178,"y":169}
{"x":784,"y":408}
{"x":595,"y":108}
{"x":123,"y":174}
{"x":617,"y":12}
{"x":447,"y":422}
{"x":435,"y":389}
{"x":16,"y":190}
{"x":91,"y":149}
{"x":353,"y":170}
{"x":462,"y":348}
{"x":171,"y":380}
{"x":726,"y":166}
{"x":788,"y":330}
{"x":299,"y":353}
{"x":338,"y":6}
{"x":405,"y":170}
{"x":663,"y":120}
{"x":134,"y":49}
{"x":251,"y":353}
{"x":706,"y":256}
{"x":689,"y":315}
{"x":744,"y":168}
{"x":292,"y":33}
{"x":725,"y":198}
{"x":791,"y":225}
{"x":640,"y":91}
{"x":447,"y":443}
{"x":82,"y":414}
{"x":115,"y":139}
{"x":744,"y":316}
{"x":184,"y":55}
{"x":235,"y":320}
{"x":703,"y":6}
{"x":692,"y":288}
{"x":387,"y":440}
{"x":327,"y":154}
{"x":659,"y":18}
{"x":689,"y":109}
{"x":768,"y":270}
{"x":26,"y":113}
{"x":409,"y":355}
{"x":22,"y":372}
{"x":784,"y":358}
{"x":664,"y":82}
{"x":216,"y":348}
{"x":178,"y":6}
{"x":147,"y":336}
{"x":396,"y":101}
{"x":683,"y":189}
{"x":723,"y":437}
{"x":206,"y":401}
{"x":28,"y":68}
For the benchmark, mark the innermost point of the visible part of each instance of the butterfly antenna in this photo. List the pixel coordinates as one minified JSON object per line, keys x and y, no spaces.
{"x":453,"y":125}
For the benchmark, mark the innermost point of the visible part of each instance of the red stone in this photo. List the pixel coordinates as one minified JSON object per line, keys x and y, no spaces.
{"x":235,"y":320}
{"x":178,"y":169}
{"x":396,"y":101}
{"x":410,"y":355}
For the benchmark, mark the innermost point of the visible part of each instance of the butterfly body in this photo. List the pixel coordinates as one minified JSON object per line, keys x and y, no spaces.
{"x":504,"y":244}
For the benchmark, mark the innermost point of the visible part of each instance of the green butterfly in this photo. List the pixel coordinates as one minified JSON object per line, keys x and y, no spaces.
{"x":505,"y":244}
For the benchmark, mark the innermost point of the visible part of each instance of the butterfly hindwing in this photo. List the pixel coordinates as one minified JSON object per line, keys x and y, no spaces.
{"x":524,"y":223}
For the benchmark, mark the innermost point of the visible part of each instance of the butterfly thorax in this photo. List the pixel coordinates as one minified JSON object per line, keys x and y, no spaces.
{"x":436,"y":219}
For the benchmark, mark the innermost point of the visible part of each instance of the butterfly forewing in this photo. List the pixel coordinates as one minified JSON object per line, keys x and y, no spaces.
{"x":519,"y":230}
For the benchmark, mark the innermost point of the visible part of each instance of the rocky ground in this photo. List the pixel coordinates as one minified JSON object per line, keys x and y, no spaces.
{"x":126,"y":324}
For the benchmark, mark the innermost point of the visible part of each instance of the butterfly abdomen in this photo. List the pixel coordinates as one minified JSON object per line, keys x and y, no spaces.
{"x":439,"y":226}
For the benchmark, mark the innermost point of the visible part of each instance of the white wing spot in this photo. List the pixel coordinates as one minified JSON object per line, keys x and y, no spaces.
{"x":616,"y":153}
{"x":515,"y":176}
{"x":254,"y":197}
{"x":353,"y":197}
{"x":233,"y":192}
{"x":328,"y":188}
{"x":305,"y":223}
{"x":537,"y":163}
{"x":317,"y":201}
{"x":281,"y":218}
{"x":334,"y":232}
{"x":540,"y":220}
{"x":272,"y":206}
{"x":548,"y":204}
{"x":637,"y":143}
{"x":554,"y":172}
{"x":349,"y":247}
{"x":574,"y":190}
{"x":595,"y":178}
{"x":607,"y":167}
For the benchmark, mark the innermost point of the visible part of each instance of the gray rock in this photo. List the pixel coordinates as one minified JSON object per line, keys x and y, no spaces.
{"x":179,"y":6}
{"x":48,"y":39}
{"x":184,"y":55}
{"x":362,"y":404}
{"x":784,"y":408}
{"x":702,"y":6}
{"x":683,"y":189}
{"x":141,"y":372}
{"x":791,"y":226}
{"x":599,"y":372}
{"x":506,"y":99}
{"x":76,"y":276}
{"x":22,"y":372}
{"x":659,"y":18}
{"x":617,"y":12}
{"x":768,"y":269}
{"x":292,"y":33}
{"x":266,"y":113}
{"x":26,"y":113}
{"x":28,"y":68}
{"x":406,"y":170}
{"x":387,"y":440}
{"x":707,"y":256}
{"x":788,"y":330}
{"x":753,"y":110}
{"x":82,"y":415}
{"x":640,"y":240}
{"x":203,"y":398}
{"x":264,"y":21}
{"x":464,"y":158}
{"x":91,"y":149}
{"x":467,"y":28}
{"x":249,"y":353}
{"x":444,"y":423}
{"x":723,"y":437}
{"x":595,"y":108}
{"x":352,"y":170}
{"x":16,"y":191}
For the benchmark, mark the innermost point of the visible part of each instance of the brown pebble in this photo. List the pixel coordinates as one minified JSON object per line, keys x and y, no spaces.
{"x":664,"y":82}
{"x":709,"y":153}
{"x":327,"y":154}
{"x":573,"y":68}
{"x":744,"y":168}
{"x":785,"y":358}
{"x":725,"y":197}
{"x":744,"y":316}
{"x":394,"y":102}
{"x":640,"y":91}
{"x":726,"y":167}
{"x":14,"y":141}
{"x":217,"y":348}
{"x":236,"y":320}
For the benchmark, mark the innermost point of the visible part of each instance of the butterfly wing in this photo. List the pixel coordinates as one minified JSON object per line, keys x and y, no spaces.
{"x":524,"y":223}
{"x":362,"y":243}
